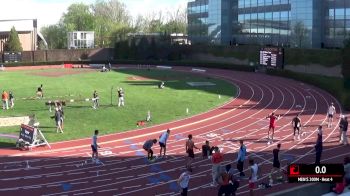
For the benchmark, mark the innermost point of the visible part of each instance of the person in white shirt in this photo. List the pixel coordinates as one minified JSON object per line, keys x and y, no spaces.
{"x":183,"y":181}
{"x":94,"y":146}
{"x":162,"y":141}
{"x":330,"y":115}
{"x":120,"y":97}
{"x":253,"y":176}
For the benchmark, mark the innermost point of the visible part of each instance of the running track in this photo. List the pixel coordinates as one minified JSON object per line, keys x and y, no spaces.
{"x":126,"y":172}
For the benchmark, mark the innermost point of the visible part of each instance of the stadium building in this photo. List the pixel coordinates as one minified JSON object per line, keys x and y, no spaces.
{"x":295,"y":23}
{"x":27,"y":31}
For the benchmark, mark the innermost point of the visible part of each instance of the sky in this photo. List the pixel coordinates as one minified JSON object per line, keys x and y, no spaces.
{"x":49,"y":11}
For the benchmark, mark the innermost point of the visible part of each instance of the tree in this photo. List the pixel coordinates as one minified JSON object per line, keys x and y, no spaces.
{"x":300,"y":33}
{"x":112,"y":20}
{"x":79,"y":17}
{"x":55,"y":35}
{"x":13,"y":44}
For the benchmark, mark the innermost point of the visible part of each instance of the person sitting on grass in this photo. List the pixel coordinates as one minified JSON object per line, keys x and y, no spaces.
{"x":161,"y":85}
{"x":147,"y":146}
{"x":40,"y":92}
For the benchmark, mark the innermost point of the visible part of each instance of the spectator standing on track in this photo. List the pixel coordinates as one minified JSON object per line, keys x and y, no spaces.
{"x":344,"y":138}
{"x":276,"y":162}
{"x":347,"y":171}
{"x":330,"y":114}
{"x":5,"y":100}
{"x":184,"y":180}
{"x":272,"y":126}
{"x":95,"y":100}
{"x":241,"y":157}
{"x":234,"y":184}
{"x":120,"y":97}
{"x":94,"y":147}
{"x":189,"y":149}
{"x":216,"y":160}
{"x":341,"y":124}
{"x":253,"y":176}
{"x":147,"y":146}
{"x":319,"y":146}
{"x":58,"y":120}
{"x":296,"y":123}
{"x":12,"y":99}
{"x":207,"y":150}
{"x":224,"y":182}
{"x":162,"y":142}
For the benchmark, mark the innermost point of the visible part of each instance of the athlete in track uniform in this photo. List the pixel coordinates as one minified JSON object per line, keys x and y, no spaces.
{"x":272,"y":126}
{"x":296,"y":123}
{"x":330,"y":115}
{"x":189,"y":149}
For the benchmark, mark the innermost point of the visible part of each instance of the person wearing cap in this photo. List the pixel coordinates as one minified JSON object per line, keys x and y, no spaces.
{"x":330,"y":114}
{"x":120,"y":97}
{"x":319,"y":145}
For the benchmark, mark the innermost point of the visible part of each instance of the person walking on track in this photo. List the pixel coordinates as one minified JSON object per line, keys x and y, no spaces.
{"x":162,"y":142}
{"x":241,"y":157}
{"x":183,"y":181}
{"x":272,"y":126}
{"x":94,"y":147}
{"x":147,"y":146}
{"x":319,"y":146}
{"x":120,"y":97}
{"x":216,"y":160}
{"x":296,"y":123}
{"x":189,"y":149}
{"x":330,"y":115}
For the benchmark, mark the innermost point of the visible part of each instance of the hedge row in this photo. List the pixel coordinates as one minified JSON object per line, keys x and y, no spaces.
{"x":143,"y":62}
{"x":332,"y":85}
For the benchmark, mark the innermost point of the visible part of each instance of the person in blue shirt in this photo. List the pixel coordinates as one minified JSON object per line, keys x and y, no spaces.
{"x":241,"y":157}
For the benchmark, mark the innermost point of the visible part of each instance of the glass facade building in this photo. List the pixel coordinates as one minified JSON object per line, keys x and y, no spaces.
{"x":295,"y":23}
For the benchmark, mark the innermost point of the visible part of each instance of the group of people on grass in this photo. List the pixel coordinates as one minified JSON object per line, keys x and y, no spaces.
{"x":7,"y":100}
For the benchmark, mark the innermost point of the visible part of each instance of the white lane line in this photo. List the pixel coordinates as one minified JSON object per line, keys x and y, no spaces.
{"x":102,"y":180}
{"x":86,"y":193}
{"x":32,"y":187}
{"x":107,"y":190}
{"x":130,"y":187}
{"x":32,"y":177}
{"x":9,"y":189}
{"x":118,"y":168}
{"x":53,"y":175}
{"x":50,"y":167}
{"x":76,"y":173}
{"x":73,"y":183}
{"x":124,"y":177}
{"x":53,"y":185}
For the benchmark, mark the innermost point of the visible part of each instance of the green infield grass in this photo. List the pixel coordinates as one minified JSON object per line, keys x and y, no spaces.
{"x":141,"y":94}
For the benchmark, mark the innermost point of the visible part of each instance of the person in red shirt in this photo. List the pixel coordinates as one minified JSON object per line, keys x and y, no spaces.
{"x":5,"y":100}
{"x":216,"y":159}
{"x":272,"y":126}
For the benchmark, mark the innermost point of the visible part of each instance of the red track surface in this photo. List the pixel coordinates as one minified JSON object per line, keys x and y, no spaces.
{"x":125,"y":171}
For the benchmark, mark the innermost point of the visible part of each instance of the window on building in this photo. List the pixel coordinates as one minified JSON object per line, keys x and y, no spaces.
{"x":339,"y":13}
{"x":75,"y":35}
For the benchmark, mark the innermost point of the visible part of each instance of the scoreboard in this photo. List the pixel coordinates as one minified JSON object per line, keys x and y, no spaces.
{"x":272,"y":57}
{"x":12,"y":57}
